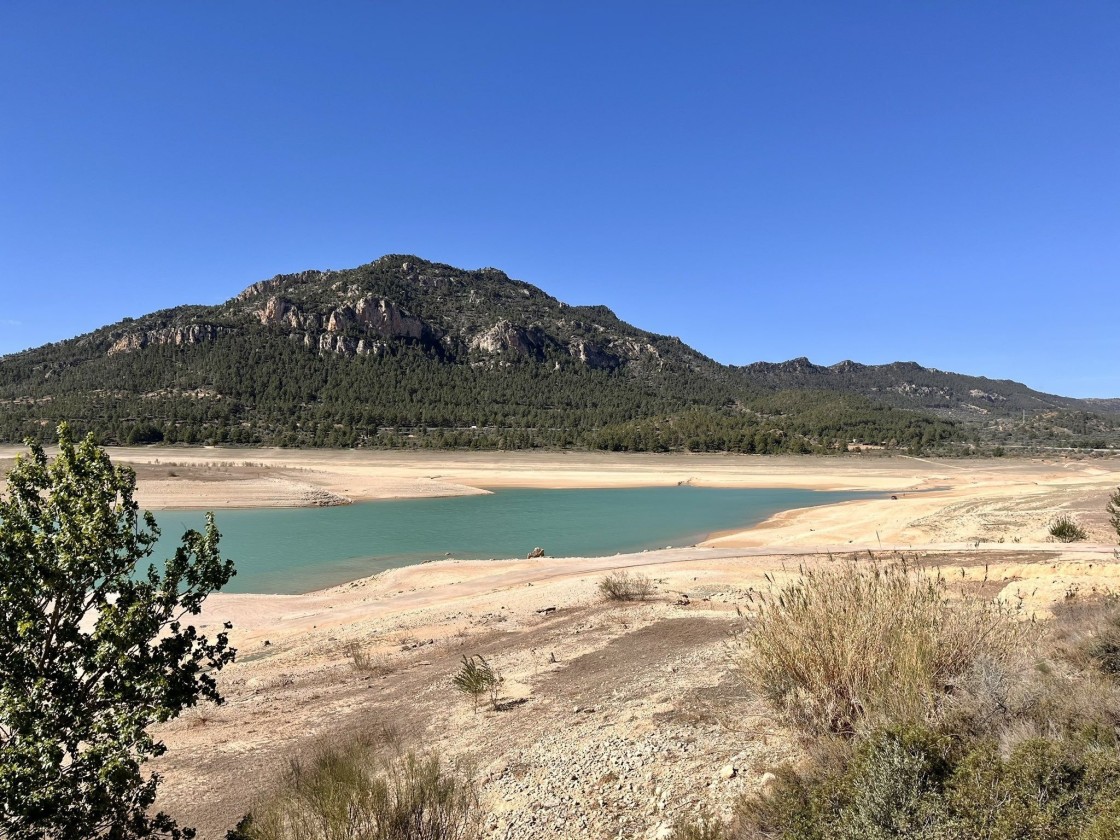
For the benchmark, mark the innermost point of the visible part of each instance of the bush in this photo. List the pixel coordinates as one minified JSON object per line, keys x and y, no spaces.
{"x":367,"y":790}
{"x":917,"y":784}
{"x":1065,"y":529}
{"x":624,"y":586}
{"x":854,"y":648}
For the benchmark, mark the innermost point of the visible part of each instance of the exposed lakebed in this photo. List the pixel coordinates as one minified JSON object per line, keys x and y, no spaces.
{"x":293,"y":550}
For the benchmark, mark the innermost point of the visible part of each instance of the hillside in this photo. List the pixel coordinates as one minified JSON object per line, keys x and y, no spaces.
{"x":406,"y":352}
{"x":909,"y":385}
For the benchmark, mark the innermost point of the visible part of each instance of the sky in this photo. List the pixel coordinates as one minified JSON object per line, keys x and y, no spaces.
{"x":924,"y":181}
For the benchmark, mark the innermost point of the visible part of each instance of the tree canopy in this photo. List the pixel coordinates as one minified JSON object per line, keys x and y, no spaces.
{"x":93,"y":648}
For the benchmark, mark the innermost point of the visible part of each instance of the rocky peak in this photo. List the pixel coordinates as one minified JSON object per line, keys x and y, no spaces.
{"x":278,"y":282}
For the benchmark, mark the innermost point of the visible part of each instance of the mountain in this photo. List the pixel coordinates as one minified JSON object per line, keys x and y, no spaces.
{"x":909,"y":385}
{"x":406,"y":352}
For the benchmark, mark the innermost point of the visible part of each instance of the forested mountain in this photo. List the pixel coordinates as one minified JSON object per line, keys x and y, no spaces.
{"x":405,"y":352}
{"x":909,"y":385}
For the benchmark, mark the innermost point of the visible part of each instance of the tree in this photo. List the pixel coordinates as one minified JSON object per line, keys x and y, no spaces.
{"x":93,"y":649}
{"x":477,"y":678}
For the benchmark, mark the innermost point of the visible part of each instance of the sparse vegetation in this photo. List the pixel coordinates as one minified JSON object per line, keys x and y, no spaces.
{"x":987,"y":744}
{"x":626,"y":586}
{"x":477,"y":678}
{"x":368,"y":790}
{"x":364,"y":662}
{"x":846,"y":649}
{"x":701,"y":828}
{"x":1088,"y":633}
{"x":1064,"y":528}
{"x":919,"y":784}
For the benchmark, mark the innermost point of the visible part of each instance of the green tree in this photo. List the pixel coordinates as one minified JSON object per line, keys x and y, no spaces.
{"x":92,"y":649}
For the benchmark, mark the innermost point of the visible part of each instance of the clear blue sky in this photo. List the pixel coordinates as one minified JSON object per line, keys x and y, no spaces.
{"x":927,"y":181}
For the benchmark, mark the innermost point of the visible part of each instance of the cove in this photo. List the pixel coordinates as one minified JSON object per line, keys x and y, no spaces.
{"x":295,"y":550}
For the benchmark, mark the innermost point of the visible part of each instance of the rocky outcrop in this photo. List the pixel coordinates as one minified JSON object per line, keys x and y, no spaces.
{"x":506,"y":338}
{"x":280,"y":312}
{"x":179,"y":336}
{"x":386,"y":318}
{"x":377,"y":315}
{"x":344,"y":345}
{"x":592,"y":355}
{"x":276,"y":283}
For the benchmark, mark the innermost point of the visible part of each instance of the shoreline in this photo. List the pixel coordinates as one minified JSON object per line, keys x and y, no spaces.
{"x":544,"y":623}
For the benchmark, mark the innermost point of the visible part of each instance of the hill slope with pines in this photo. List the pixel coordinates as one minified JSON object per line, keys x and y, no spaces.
{"x":406,"y":352}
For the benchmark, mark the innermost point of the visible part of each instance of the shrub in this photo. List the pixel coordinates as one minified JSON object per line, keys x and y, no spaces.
{"x":916,"y":784}
{"x":477,"y":678}
{"x":624,"y":586}
{"x":701,"y":828}
{"x":1064,"y":528}
{"x":840,"y":650}
{"x":367,"y":790}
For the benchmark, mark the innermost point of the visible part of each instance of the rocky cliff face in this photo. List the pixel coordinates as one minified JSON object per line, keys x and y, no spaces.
{"x":178,"y":336}
{"x":506,"y":338}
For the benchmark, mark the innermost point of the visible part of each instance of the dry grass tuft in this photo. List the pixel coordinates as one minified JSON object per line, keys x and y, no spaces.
{"x":368,"y":790}
{"x":847,"y":649}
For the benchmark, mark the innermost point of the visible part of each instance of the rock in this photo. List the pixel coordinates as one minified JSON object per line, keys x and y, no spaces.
{"x":387,"y":319}
{"x":663,"y":831}
{"x":178,"y":336}
{"x":535,"y":553}
{"x":505,"y":337}
{"x":592,"y":356}
{"x":728,"y":771}
{"x":766,"y":784}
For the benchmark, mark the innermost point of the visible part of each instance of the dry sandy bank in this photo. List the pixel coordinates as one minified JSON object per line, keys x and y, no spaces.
{"x":210,"y":477}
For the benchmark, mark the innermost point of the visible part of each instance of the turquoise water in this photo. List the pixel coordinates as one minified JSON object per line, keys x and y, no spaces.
{"x":292,"y":550}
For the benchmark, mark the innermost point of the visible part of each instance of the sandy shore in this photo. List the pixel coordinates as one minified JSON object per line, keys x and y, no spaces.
{"x":218,"y":478}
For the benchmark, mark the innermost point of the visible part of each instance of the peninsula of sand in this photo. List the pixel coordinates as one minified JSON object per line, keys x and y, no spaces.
{"x":613,"y":719}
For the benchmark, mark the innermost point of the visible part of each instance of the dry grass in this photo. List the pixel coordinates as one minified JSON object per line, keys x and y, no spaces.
{"x":849,"y":648}
{"x":624,"y":586}
{"x":364,"y":662}
{"x":368,"y":790}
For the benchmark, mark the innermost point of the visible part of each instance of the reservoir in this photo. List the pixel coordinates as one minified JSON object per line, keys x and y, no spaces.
{"x":295,"y":550}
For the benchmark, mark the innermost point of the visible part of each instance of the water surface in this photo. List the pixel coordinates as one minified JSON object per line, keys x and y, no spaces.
{"x":292,"y":550}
